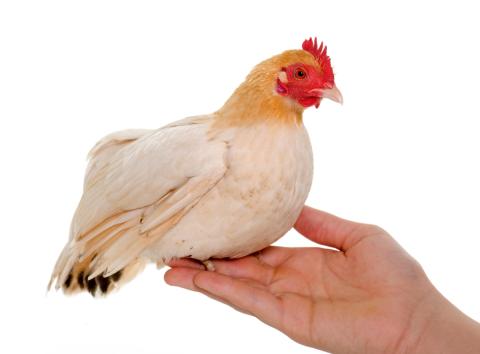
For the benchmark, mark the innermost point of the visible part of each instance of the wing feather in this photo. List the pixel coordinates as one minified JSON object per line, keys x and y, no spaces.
{"x":138,"y":185}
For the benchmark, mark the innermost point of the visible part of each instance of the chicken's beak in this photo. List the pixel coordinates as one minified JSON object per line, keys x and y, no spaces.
{"x":333,"y":94}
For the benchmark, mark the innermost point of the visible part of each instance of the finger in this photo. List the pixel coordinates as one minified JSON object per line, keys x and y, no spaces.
{"x":219,"y":299}
{"x":259,"y":302}
{"x":186,"y":263}
{"x":274,"y":255}
{"x":330,"y":230}
{"x":247,"y":268}
{"x":182,"y":277}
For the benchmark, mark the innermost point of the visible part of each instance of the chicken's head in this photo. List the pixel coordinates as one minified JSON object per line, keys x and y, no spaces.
{"x":308,"y":82}
{"x":283,"y":86}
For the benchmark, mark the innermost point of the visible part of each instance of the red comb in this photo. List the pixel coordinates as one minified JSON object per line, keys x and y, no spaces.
{"x":320,"y":53}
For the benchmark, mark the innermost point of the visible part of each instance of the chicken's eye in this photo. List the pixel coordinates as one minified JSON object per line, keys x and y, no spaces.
{"x":300,"y":73}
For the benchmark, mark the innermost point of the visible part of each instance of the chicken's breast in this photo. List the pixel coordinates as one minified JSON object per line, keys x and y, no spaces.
{"x":268,"y":177}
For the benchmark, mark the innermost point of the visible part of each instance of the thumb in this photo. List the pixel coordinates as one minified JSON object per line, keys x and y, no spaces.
{"x":330,"y":230}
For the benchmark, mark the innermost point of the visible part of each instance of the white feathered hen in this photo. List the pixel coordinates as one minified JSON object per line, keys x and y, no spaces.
{"x":221,"y":185}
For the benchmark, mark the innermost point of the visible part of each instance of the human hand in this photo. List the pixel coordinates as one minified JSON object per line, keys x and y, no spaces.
{"x":367,"y":296}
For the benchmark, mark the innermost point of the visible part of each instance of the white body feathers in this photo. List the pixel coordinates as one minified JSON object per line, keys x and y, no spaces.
{"x":186,"y":190}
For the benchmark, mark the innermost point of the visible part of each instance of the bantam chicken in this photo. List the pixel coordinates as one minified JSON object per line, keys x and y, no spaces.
{"x":222,"y":185}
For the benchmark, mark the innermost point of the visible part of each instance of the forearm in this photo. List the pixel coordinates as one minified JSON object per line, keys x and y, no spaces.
{"x":446,"y":330}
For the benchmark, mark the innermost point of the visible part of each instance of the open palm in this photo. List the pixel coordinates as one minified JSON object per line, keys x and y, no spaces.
{"x":353,"y":298}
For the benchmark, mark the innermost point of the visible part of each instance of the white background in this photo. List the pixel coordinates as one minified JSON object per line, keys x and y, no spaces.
{"x":402,"y":152}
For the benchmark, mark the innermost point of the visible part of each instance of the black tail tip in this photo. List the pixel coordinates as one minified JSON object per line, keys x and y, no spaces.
{"x":99,"y":285}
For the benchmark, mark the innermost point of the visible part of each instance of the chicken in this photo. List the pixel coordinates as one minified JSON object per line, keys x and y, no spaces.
{"x":222,"y":185}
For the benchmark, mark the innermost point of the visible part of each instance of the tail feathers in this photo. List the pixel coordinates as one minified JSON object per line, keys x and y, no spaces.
{"x":85,"y":264}
{"x":108,"y":255}
{"x":79,"y":278}
{"x":77,"y":268}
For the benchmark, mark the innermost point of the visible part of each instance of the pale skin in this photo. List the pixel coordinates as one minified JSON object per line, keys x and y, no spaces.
{"x":367,"y":295}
